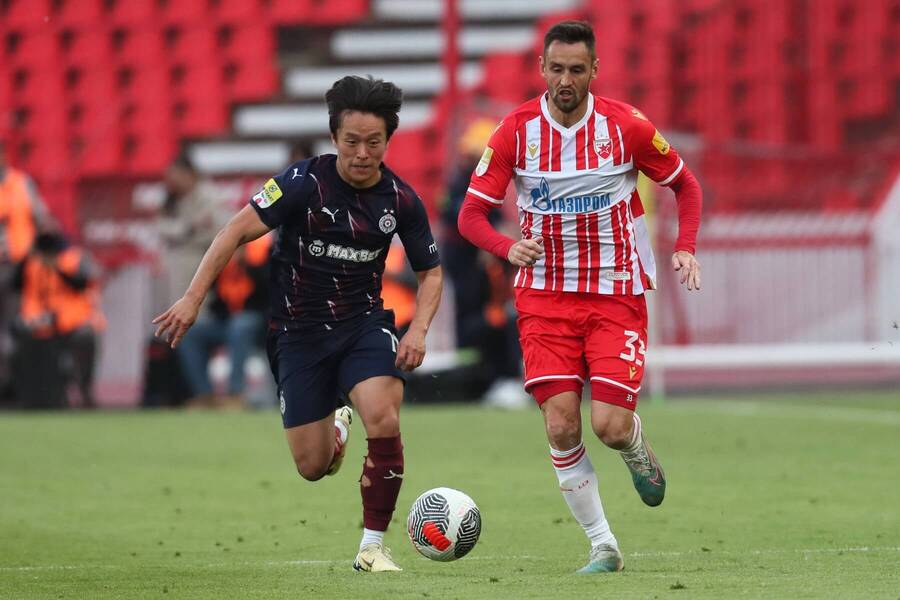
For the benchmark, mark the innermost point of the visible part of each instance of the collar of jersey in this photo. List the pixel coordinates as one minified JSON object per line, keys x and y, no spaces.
{"x":576,"y":126}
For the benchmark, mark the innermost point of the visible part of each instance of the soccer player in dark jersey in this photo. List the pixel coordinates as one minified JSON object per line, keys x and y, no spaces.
{"x":329,"y":332}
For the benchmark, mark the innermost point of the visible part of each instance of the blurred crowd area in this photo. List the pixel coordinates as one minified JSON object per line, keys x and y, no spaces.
{"x":133,"y":129}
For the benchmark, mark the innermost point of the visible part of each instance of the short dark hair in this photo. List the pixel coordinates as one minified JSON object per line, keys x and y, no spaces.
{"x":364,"y":94}
{"x":571,"y":32}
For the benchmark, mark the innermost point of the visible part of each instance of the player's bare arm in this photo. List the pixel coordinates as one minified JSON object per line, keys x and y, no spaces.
{"x":689,"y":268}
{"x":244,"y":227}
{"x":411,"y":350}
{"x":526,"y":252}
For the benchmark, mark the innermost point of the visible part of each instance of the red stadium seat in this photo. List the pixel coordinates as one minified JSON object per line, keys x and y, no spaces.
{"x":91,"y":85}
{"x":148,"y":155}
{"x":253,"y":42}
{"x":32,"y":49}
{"x":199,"y":117}
{"x":252,"y":81}
{"x":27,"y":14}
{"x":289,"y":12}
{"x":187,"y":12}
{"x":80,"y":14}
{"x":238,"y":11}
{"x":132,"y":13}
{"x":86,"y":48}
{"x":139,"y":47}
{"x":191,"y":44}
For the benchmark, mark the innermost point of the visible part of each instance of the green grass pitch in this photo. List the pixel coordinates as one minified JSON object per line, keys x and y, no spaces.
{"x":791,"y":496}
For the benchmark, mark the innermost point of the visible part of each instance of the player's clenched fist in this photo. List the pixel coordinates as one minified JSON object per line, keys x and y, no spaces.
{"x":525,"y":253}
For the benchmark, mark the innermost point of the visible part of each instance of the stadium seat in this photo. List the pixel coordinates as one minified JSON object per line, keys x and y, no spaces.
{"x":26,"y":14}
{"x":252,"y":42}
{"x":199,"y":117}
{"x":238,"y":11}
{"x":86,"y":48}
{"x":32,"y":49}
{"x":184,"y":12}
{"x":251,"y":81}
{"x":148,"y":155}
{"x":80,"y":14}
{"x":139,"y":47}
{"x":190,"y":44}
{"x":131,"y":13}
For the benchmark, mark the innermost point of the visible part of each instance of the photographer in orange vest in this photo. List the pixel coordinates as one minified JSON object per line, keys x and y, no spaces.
{"x":21,"y":211}
{"x":59,"y":319}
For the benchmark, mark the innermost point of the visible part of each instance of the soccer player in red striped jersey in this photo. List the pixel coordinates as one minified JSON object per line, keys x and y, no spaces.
{"x":584,"y":264}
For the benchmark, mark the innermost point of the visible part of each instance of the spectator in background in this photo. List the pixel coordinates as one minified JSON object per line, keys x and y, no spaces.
{"x":235,"y":320}
{"x":21,"y":212}
{"x":300,"y":150}
{"x":59,"y":319}
{"x":187,"y":224}
{"x":484,"y":314}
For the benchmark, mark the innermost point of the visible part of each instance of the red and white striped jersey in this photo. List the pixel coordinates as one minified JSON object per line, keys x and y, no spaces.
{"x":577,"y":188}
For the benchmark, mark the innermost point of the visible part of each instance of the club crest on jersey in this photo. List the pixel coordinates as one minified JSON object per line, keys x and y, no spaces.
{"x":268,"y":195}
{"x":603,"y":147}
{"x":388,"y":222}
{"x":484,"y":163}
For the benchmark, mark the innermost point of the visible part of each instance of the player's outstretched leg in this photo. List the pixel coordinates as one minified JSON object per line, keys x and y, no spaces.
{"x":343,"y":417}
{"x":646,"y":472}
{"x":379,"y":485}
{"x":579,"y":487}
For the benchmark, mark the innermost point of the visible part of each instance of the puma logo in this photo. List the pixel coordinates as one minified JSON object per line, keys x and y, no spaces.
{"x":333,"y":215}
{"x":393,"y":475}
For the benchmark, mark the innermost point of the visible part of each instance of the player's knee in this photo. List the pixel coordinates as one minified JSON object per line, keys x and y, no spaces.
{"x":384,"y":425}
{"x":310,"y":469}
{"x":615,"y":433}
{"x":563,"y":428}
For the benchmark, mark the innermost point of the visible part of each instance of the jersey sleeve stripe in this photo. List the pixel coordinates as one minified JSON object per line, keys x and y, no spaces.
{"x":475,"y":192}
{"x":672,"y":177}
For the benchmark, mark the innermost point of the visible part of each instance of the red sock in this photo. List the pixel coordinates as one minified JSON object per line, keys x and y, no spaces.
{"x":380,"y":482}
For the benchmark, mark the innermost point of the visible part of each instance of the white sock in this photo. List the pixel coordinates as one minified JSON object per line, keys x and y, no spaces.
{"x":578,"y":483}
{"x":635,"y":442}
{"x":342,"y":429}
{"x":370,"y":536}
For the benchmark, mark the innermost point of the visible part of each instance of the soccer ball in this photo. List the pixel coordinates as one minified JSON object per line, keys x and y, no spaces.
{"x":444,"y":524}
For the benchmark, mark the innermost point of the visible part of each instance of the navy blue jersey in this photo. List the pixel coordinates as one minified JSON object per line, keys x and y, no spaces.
{"x":332,"y":241}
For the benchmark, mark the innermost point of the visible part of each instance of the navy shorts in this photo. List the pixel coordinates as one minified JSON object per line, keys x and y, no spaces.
{"x":314,"y":370}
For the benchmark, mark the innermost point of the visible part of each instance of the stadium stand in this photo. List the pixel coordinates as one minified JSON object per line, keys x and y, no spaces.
{"x":779,"y":105}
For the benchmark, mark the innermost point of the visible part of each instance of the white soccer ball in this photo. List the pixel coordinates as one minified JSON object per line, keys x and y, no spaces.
{"x":444,"y":524}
